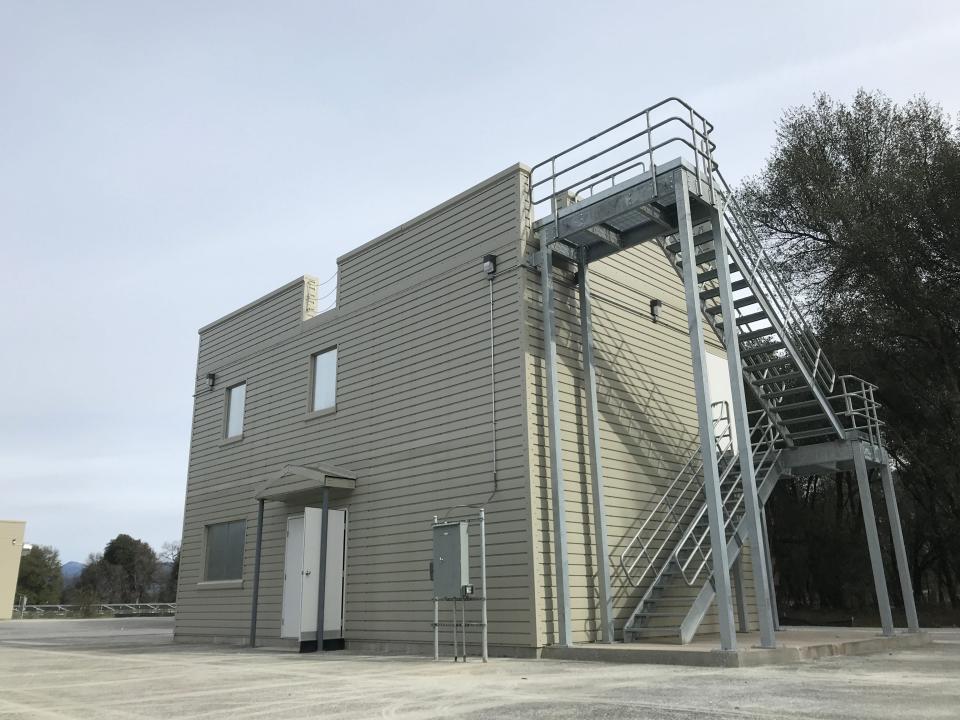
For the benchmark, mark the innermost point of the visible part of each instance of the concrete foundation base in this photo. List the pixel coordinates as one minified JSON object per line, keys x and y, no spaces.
{"x":794,"y":645}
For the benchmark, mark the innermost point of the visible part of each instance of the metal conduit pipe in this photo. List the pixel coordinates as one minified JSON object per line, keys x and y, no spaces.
{"x":490,"y":268}
{"x":493,"y":392}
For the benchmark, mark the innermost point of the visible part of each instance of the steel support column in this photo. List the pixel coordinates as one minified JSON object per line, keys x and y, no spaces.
{"x":562,"y":571}
{"x":775,"y":613}
{"x":596,"y":464}
{"x":873,"y":538}
{"x":711,"y":474}
{"x":256,"y":576}
{"x":758,"y":555}
{"x":322,"y":580}
{"x":903,"y":568}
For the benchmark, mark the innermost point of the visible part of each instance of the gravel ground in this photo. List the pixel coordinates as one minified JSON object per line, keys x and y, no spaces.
{"x":130,"y":668}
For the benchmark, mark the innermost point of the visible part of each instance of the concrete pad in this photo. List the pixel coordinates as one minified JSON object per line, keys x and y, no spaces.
{"x":96,"y":669}
{"x":793,"y":645}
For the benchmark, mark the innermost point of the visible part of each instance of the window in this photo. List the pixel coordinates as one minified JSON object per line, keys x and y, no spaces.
{"x":236,"y":400}
{"x":224,"y":551}
{"x":324,"y":381}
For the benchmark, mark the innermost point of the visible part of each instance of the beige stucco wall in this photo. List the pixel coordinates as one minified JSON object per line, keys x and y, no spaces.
{"x":11,"y":547}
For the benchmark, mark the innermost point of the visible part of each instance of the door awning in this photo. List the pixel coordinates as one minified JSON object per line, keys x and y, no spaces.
{"x":298,"y":481}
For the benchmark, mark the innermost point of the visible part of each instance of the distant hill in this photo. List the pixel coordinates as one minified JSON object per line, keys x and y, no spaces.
{"x":71,"y":571}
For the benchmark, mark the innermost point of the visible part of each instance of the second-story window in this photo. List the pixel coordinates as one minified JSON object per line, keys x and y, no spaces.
{"x":324,"y":381}
{"x":236,"y":403}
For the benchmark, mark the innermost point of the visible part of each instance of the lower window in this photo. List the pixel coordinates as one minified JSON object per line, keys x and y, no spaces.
{"x":224,"y":551}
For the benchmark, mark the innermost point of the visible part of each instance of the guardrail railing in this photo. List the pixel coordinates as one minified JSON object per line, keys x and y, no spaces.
{"x":95,"y":609}
{"x":633,"y":145}
{"x":675,"y":509}
{"x":764,"y":435}
{"x":860,"y":407}
{"x":755,"y":264}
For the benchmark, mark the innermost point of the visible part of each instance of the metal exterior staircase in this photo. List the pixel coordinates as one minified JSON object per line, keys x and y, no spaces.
{"x":782,"y":361}
{"x":669,"y":557}
{"x":614,"y":191}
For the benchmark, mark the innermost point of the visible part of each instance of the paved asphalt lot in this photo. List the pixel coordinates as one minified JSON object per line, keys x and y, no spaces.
{"x":129,"y":668}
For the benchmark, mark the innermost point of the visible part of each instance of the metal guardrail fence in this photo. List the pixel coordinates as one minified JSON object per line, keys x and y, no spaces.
{"x":764,"y":436}
{"x":860,"y":408}
{"x":682,"y":508}
{"x":664,"y":130}
{"x":676,"y":509}
{"x":101,"y":609}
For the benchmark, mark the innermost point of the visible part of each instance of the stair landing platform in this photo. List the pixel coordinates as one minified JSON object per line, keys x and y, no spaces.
{"x":794,"y":645}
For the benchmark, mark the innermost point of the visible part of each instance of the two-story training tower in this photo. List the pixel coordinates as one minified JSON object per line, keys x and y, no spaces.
{"x":597,"y":350}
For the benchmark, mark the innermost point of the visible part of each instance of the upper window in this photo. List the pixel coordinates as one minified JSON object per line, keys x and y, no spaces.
{"x":236,"y":402}
{"x":224,"y":551}
{"x":324,"y":380}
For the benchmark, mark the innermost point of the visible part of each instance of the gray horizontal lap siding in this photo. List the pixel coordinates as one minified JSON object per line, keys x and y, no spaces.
{"x":412,"y":421}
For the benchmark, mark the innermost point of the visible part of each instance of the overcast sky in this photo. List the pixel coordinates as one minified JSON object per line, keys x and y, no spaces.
{"x":162,"y":163}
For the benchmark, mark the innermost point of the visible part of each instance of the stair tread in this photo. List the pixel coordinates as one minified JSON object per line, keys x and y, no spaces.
{"x":771,"y":363}
{"x":777,"y":378}
{"x":803,"y":418}
{"x":768,"y":348}
{"x":698,"y":241}
{"x":815,"y":432}
{"x":796,"y":390}
{"x":756,"y":334}
{"x":737,"y":303}
{"x":748,"y":318}
{"x":711,"y":274}
{"x":715,"y":292}
{"x":791,"y":406}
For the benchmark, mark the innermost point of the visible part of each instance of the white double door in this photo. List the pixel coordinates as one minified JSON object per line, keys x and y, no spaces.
{"x":301,"y":575}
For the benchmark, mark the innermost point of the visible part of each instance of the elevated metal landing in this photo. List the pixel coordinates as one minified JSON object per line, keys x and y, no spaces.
{"x":834,"y":456}
{"x":634,"y":211}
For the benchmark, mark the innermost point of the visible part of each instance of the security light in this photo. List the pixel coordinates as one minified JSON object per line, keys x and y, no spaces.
{"x":490,"y":264}
{"x":211,"y":380}
{"x":655,"y":306}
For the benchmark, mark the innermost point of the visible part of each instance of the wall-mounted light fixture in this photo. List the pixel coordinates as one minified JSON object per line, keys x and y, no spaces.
{"x":211,"y":380}
{"x":656,"y":305}
{"x":490,"y":265}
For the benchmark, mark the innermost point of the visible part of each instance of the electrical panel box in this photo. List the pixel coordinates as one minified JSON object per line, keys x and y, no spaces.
{"x":451,"y":559}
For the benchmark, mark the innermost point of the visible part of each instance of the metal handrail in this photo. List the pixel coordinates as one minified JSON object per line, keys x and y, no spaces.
{"x":765,"y":446}
{"x":761,"y":270}
{"x":860,"y":407}
{"x":724,"y":438}
{"x":693,"y":131}
{"x":100,"y":608}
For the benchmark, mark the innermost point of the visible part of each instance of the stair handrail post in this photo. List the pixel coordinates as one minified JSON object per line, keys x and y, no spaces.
{"x":653,"y":166}
{"x":718,"y":541}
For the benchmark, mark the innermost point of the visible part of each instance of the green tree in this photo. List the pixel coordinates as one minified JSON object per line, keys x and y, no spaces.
{"x":126,"y":572}
{"x":170,"y":557}
{"x":138,"y":563}
{"x":40,"y":578}
{"x":860,"y":205}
